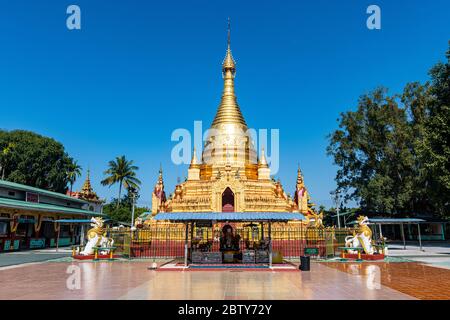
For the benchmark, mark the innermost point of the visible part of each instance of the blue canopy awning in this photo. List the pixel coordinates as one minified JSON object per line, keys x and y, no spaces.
{"x":229,"y":216}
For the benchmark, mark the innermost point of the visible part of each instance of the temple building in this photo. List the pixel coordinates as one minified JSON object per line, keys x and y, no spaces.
{"x":87,"y":193}
{"x":33,"y":218}
{"x":229,"y":176}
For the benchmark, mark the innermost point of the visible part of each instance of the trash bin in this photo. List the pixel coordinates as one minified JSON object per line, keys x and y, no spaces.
{"x":304,"y":263}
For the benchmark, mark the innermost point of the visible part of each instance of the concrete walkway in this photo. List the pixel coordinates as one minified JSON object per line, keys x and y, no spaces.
{"x":435,"y":254}
{"x":32,"y":256}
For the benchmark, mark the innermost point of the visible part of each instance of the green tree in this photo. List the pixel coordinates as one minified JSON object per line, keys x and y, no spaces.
{"x":73,"y":172}
{"x":34,"y":160}
{"x":372,"y":149}
{"x":4,"y":157}
{"x":393,"y":152}
{"x":416,"y":99}
{"x":119,"y":214}
{"x":123,"y":172}
{"x":122,"y":212}
{"x":436,"y":149}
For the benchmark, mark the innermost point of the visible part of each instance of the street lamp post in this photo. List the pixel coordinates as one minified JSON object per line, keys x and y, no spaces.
{"x":133,"y":197}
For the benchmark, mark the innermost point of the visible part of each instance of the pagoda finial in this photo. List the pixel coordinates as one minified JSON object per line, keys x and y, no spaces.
{"x":228,"y":62}
{"x":229,"y":32}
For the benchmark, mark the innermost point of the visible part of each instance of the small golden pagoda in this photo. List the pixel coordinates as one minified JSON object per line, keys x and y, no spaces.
{"x":87,"y":192}
{"x":229,"y":176}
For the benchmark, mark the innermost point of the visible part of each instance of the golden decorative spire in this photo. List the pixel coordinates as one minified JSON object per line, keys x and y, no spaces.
{"x":87,"y":192}
{"x":194,"y":160}
{"x":159,"y":187}
{"x":299,"y":177}
{"x":262,"y":163}
{"x":87,"y":183}
{"x":160,"y":176}
{"x":228,"y":111}
{"x":159,"y":195}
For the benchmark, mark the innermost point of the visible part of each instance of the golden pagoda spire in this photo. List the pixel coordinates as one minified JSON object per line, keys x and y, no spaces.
{"x":228,"y":111}
{"x":228,"y":62}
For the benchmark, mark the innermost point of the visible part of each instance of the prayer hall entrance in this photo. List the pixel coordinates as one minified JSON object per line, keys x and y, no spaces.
{"x":228,"y":200}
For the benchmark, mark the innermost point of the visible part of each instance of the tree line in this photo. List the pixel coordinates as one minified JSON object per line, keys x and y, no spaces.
{"x":393,"y":151}
{"x":31,"y":159}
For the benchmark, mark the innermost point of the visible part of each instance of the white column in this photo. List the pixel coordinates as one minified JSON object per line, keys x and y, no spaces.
{"x":420,"y":237}
{"x":403,"y":236}
{"x":270,"y":244}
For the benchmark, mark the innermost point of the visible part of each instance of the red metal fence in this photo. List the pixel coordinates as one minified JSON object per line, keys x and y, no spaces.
{"x":168,"y":240}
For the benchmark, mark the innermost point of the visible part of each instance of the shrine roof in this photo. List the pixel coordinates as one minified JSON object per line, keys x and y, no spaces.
{"x":229,"y":216}
{"x":18,"y":204}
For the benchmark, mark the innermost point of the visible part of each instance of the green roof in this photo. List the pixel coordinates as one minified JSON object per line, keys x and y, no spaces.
{"x":18,"y":204}
{"x":23,"y":187}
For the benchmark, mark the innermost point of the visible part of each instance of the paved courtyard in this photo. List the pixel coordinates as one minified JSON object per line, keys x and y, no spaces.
{"x":411,"y":278}
{"x":36,"y":275}
{"x":132,"y":280}
{"x":434,"y":254}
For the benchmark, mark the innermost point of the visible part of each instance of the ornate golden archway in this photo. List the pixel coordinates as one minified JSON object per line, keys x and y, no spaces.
{"x":228,"y":203}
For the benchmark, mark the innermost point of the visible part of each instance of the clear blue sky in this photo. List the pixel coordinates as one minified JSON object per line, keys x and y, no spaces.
{"x":137,"y":70}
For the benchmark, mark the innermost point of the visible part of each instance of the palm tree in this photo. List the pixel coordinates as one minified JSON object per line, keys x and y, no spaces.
{"x":121,"y":171}
{"x":73,"y":172}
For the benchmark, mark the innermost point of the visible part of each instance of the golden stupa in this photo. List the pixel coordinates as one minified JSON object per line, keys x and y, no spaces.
{"x":229,"y":177}
{"x":87,"y":192}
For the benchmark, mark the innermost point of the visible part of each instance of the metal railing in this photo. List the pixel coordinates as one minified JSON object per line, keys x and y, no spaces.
{"x":168,"y":240}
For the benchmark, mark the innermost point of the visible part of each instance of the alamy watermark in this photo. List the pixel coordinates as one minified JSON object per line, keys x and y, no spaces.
{"x":73,"y":281}
{"x":228,"y":145}
{"x":374,"y":20}
{"x":73,"y":21}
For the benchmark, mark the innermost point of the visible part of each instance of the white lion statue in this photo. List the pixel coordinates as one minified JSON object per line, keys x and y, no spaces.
{"x":97,"y":238}
{"x":362,"y":238}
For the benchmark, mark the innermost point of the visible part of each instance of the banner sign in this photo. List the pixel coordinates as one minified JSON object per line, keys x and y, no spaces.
{"x":32,"y":197}
{"x":312,"y":251}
